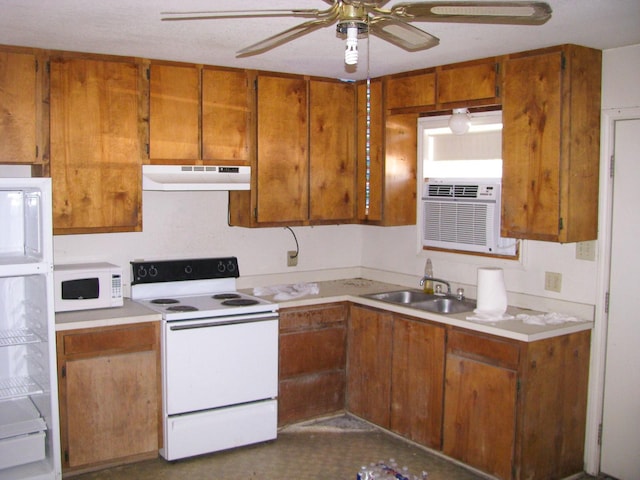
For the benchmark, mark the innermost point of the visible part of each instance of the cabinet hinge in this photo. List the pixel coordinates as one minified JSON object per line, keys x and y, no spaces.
{"x":497,"y":92}
{"x":612,"y":166}
{"x":146,"y":146}
{"x":48,"y":67}
{"x":63,"y":371}
{"x":255,"y":84}
{"x":66,"y":456}
{"x":560,"y":224}
{"x":563,"y":62}
{"x":518,"y":387}
{"x":255,"y":214}
{"x":148,"y":73}
{"x":37,"y":151}
{"x":606,"y":303}
{"x":600,"y":434}
{"x":37,"y":65}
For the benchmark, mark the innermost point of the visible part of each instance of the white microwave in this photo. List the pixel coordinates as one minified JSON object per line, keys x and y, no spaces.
{"x":86,"y":286}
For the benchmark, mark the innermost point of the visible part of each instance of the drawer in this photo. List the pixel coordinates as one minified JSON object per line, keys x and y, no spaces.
{"x":312,"y":318}
{"x":132,"y":337}
{"x":491,"y":350}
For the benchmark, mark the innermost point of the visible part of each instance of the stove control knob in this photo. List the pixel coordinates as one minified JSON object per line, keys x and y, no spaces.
{"x":231,"y":266}
{"x":221,"y":267}
{"x":142,"y":272}
{"x":188,"y":269}
{"x":153,"y":271}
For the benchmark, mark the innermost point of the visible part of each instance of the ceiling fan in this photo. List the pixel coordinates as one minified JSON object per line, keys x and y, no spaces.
{"x":359,"y":17}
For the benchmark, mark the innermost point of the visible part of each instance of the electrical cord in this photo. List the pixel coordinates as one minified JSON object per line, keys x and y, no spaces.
{"x":296,"y":239}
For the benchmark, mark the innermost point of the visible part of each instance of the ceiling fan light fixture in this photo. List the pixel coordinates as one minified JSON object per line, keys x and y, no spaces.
{"x":460,"y":121}
{"x":351,"y":48}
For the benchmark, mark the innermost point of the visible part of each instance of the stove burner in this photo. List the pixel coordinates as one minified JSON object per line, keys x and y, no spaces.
{"x":164,"y":301}
{"x":240,"y":302}
{"x":182,"y":308}
{"x":224,"y":296}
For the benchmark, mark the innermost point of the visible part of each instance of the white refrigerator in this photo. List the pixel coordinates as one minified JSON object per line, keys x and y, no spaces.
{"x":29,"y":422}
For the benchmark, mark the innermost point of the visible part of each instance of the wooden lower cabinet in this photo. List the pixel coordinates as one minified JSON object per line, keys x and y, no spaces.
{"x":110,"y":402}
{"x":516,"y":410}
{"x":395,"y":373}
{"x":312,"y":362}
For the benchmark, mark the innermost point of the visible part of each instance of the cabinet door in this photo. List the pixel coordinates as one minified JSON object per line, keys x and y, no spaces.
{"x":467,"y":83}
{"x":332,"y":158}
{"x":174,"y":113}
{"x":370,"y":177}
{"x":283,"y":153}
{"x":226,"y":116}
{"x":369,"y":364}
{"x":111,"y":407}
{"x":17,"y":107}
{"x":480,"y":415}
{"x":400,"y":169}
{"x":531,"y":115}
{"x":417,"y":383}
{"x":417,"y":90}
{"x":95,"y":146}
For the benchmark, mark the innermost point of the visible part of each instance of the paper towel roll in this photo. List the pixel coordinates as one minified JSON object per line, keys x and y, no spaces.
{"x":492,"y":295}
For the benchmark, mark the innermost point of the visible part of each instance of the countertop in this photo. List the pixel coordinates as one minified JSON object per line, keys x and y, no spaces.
{"x":351,"y":289}
{"x":130,"y":312}
{"x":348,"y":290}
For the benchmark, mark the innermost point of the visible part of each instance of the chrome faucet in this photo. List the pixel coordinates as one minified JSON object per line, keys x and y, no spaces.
{"x":439,"y":280}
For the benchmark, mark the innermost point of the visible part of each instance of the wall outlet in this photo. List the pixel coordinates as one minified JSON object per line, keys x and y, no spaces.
{"x":586,"y":250}
{"x":552,"y":281}
{"x":292,"y":258}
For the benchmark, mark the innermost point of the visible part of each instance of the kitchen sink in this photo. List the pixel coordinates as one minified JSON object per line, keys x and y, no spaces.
{"x":442,"y":304}
{"x":401,"y":297}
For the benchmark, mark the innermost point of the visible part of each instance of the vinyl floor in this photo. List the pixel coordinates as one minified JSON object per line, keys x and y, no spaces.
{"x":330,"y":449}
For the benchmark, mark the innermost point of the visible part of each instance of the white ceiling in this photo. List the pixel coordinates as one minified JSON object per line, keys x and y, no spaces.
{"x":133,"y":27}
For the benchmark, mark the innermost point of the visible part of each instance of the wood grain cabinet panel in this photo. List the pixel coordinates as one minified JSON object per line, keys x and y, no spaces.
{"x":226,"y":116}
{"x":550,"y":147}
{"x":516,"y":410}
{"x":174,"y":112}
{"x":18,"y":107}
{"x":312,"y":362}
{"x":110,"y":395}
{"x":369,"y":364}
{"x":417,"y":371}
{"x":332,"y":157}
{"x":467,"y":83}
{"x":96,"y":150}
{"x":414,"y":90}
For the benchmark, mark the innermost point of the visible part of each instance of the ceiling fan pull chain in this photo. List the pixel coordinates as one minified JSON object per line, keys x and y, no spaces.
{"x":367,"y":147}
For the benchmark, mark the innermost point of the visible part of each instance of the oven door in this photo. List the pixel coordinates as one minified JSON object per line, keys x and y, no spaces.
{"x":214,"y":362}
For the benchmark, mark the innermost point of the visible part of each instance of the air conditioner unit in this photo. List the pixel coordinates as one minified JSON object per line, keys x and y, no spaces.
{"x":464,"y":214}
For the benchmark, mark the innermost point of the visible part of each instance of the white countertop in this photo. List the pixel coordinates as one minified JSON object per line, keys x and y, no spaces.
{"x":130,"y":312}
{"x":351,"y":289}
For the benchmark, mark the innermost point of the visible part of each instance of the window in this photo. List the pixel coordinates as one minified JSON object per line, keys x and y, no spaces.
{"x":475,"y":154}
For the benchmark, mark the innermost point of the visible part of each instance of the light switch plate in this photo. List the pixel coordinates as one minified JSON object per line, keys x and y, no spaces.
{"x":586,"y":250}
{"x":553,"y":281}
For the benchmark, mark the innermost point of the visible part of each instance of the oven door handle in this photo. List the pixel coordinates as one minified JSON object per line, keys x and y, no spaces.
{"x":235,"y":321}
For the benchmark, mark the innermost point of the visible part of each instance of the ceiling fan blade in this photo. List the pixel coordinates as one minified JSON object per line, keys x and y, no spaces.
{"x":402,"y":34}
{"x":516,"y":13}
{"x":290,"y":34}
{"x":208,"y":15}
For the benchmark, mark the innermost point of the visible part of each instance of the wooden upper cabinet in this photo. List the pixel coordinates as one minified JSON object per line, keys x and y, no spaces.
{"x":226,"y":116}
{"x":416,"y":90}
{"x":550,"y":147}
{"x":332,"y":157}
{"x":468,"y":83}
{"x":400,"y":170}
{"x":174,"y":112}
{"x":96,"y":151}
{"x":283,"y":162}
{"x":18,"y":107}
{"x":199,"y":115}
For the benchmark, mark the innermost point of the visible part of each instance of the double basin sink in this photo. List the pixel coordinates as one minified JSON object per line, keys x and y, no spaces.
{"x":441,"y":304}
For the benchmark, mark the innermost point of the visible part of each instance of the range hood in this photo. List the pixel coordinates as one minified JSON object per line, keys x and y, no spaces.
{"x":195,"y":177}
